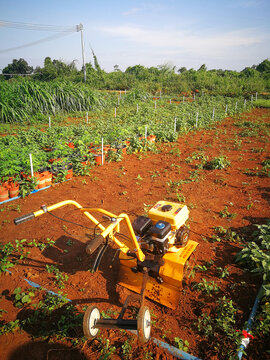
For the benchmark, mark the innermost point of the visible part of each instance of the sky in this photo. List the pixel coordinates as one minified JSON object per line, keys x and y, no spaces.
{"x":222,"y":34}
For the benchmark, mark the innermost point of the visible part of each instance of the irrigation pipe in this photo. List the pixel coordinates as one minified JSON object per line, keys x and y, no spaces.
{"x":35,"y":285}
{"x":179,"y":354}
{"x":247,"y":336}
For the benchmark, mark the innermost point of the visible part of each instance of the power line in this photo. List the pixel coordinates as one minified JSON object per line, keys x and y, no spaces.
{"x":37,"y":27}
{"x":49,"y":38}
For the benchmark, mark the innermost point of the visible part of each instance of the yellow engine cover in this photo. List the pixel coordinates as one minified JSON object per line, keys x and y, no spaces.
{"x":176,"y":216}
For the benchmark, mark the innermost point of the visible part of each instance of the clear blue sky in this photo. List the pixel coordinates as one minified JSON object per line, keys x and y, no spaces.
{"x":223,"y":34}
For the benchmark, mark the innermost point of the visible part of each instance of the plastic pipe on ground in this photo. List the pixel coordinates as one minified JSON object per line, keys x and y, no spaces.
{"x":179,"y":354}
{"x":245,"y":340}
{"x":35,"y":285}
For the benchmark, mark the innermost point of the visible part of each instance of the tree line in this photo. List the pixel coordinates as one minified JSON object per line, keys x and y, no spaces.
{"x":166,"y":77}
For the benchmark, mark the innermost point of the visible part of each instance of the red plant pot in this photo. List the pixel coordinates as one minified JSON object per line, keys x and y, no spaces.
{"x":69,"y":174}
{"x":151,"y":138}
{"x":14,"y":190}
{"x":3,"y":193}
{"x":42,"y":182}
{"x":98,"y":159}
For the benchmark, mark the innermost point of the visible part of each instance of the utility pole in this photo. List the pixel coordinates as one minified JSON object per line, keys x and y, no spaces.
{"x":80,"y":28}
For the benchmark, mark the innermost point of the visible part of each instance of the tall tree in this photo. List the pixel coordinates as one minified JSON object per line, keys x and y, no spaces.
{"x":18,"y":67}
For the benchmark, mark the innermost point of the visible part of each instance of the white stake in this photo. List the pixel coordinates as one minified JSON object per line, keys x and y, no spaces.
{"x":170,"y":101}
{"x":155,"y":104}
{"x":145,"y":133}
{"x":87,"y":117}
{"x":101,"y":151}
{"x":120,"y":94}
{"x":49,"y":121}
{"x":31,"y":165}
{"x":213,"y":116}
{"x":197,"y":117}
{"x":256,"y":96}
{"x":245,"y":103}
{"x":236,"y":106}
{"x":175,"y":124}
{"x":114,"y":112}
{"x":226,"y":109}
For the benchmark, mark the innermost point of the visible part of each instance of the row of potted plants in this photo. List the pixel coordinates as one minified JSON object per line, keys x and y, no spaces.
{"x":78,"y":162}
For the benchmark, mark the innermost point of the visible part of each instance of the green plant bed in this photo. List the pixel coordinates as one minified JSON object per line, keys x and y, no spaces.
{"x":262,"y":103}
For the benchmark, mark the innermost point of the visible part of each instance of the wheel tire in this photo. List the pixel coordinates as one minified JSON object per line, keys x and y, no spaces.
{"x":182,"y":236}
{"x":144,"y":324}
{"x":90,"y":317}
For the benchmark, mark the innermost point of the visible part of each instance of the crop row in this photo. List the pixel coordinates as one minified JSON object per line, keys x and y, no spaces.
{"x":61,"y":147}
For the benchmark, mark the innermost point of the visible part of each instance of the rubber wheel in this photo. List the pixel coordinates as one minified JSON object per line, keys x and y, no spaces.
{"x":90,"y":318}
{"x":144,"y":324}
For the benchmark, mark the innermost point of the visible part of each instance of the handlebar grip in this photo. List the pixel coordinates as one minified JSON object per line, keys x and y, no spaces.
{"x":24,"y":218}
{"x":94,"y":244}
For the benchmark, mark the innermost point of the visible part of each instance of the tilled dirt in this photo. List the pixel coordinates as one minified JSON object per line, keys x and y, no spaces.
{"x":231,"y":198}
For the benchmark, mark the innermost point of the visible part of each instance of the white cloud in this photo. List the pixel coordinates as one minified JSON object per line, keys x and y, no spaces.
{"x":130,"y":12}
{"x":181,"y":41}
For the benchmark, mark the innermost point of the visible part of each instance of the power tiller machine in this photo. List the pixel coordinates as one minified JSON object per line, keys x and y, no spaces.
{"x":152,"y":259}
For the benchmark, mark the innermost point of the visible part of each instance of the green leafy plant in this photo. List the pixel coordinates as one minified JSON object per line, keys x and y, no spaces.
{"x":223,"y":272}
{"x":226,"y":214}
{"x":27,"y":186}
{"x":217,"y":163}
{"x":208,"y":287}
{"x":181,"y":344}
{"x":21,"y":298}
{"x":9,"y":327}
{"x":60,"y":278}
{"x":54,"y":316}
{"x":255,"y":255}
{"x":10,"y":254}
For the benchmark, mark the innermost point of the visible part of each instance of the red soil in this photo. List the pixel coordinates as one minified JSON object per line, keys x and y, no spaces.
{"x":118,"y":188}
